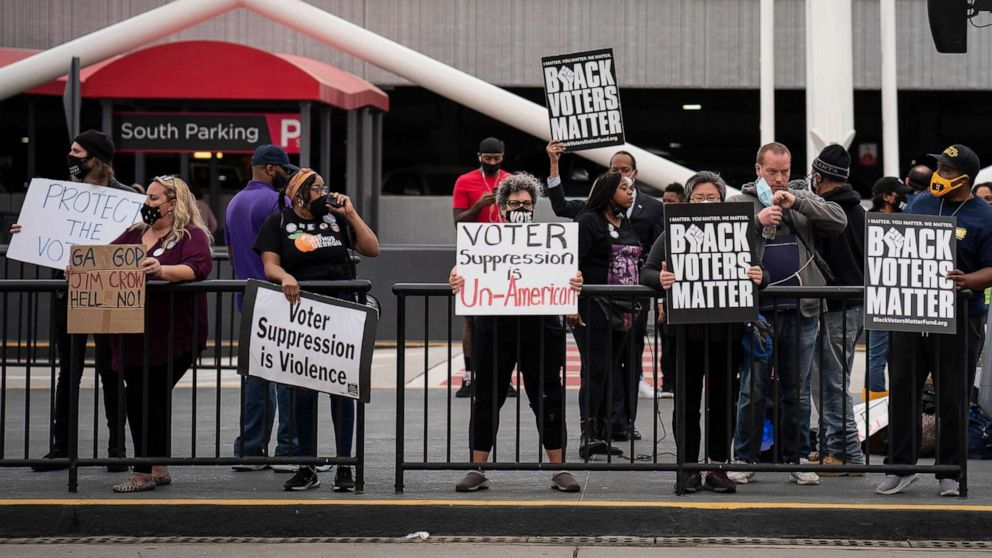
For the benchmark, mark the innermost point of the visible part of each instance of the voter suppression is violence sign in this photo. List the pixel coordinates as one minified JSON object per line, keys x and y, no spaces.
{"x":321,"y":343}
{"x":709,"y":251}
{"x":59,"y":213}
{"x":517,"y":269}
{"x":906,"y":260}
{"x":583,"y":99}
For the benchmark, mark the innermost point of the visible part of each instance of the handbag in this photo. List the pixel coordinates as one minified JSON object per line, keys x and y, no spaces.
{"x":620,"y":314}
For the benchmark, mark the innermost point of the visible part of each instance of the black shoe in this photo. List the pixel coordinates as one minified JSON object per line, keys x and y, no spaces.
{"x":620,"y":434}
{"x":608,"y":450}
{"x":304,"y":479}
{"x":512,"y":392}
{"x":117,"y":467}
{"x":689,"y":481}
{"x":465,"y":390}
{"x":56,"y":453}
{"x":634,"y":434}
{"x":589,"y":446}
{"x":343,"y":481}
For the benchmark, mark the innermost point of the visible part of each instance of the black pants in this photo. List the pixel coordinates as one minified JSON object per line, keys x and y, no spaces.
{"x":724,"y":360}
{"x":537,"y":345}
{"x":148,"y":407}
{"x":667,"y":359}
{"x":625,"y":391}
{"x":71,"y":370}
{"x":601,"y":349}
{"x":912,"y":356}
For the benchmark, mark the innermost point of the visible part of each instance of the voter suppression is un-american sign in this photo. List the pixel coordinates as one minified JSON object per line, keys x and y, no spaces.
{"x":320,"y":343}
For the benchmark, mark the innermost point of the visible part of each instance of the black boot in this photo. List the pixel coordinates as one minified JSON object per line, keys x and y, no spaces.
{"x":607,"y":448}
{"x":590,"y":443}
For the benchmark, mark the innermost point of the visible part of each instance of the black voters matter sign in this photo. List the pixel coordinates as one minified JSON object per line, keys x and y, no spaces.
{"x":583,"y":99}
{"x":709,"y":251}
{"x":320,"y":343}
{"x":907,"y":258}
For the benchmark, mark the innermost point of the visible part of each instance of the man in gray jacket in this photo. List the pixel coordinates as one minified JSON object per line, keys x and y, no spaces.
{"x":788,"y":218}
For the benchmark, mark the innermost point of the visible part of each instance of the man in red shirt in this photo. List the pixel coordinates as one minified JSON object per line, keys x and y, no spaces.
{"x":474,"y":201}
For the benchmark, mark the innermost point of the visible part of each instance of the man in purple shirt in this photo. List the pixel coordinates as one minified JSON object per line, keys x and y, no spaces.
{"x":270,"y":168}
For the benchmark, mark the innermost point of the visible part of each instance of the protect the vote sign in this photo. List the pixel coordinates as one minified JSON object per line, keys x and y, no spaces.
{"x":709,"y":251}
{"x":907,"y":258}
{"x":583,"y":99}
{"x":517,"y":269}
{"x":320,"y":343}
{"x":60,"y":213}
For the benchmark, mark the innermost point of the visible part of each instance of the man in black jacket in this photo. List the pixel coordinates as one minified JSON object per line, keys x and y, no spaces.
{"x":844,"y":257}
{"x":647,"y":216}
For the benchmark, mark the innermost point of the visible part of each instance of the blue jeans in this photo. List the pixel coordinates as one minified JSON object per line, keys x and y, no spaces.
{"x":342,"y":415}
{"x":792,"y":359}
{"x":878,"y":354}
{"x":258,"y":415}
{"x":832,"y":374}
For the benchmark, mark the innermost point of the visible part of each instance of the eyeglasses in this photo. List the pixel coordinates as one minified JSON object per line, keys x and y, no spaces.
{"x":701,"y":199}
{"x":322,"y":189}
{"x":518,"y":204}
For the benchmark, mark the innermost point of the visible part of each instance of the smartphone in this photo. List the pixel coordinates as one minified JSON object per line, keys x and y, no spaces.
{"x":334,"y":201}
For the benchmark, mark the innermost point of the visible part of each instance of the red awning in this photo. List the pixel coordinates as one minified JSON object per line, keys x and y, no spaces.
{"x":215,"y":70}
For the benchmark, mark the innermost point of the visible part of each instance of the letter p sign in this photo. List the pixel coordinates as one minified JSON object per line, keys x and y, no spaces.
{"x":285,"y":131}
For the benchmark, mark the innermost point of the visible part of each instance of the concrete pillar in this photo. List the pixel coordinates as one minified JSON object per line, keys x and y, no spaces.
{"x":829,"y":77}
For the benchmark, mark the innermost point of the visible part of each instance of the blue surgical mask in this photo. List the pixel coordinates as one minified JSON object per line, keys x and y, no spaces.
{"x":764,"y":191}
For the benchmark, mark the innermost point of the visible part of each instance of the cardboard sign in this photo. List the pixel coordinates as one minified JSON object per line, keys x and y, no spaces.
{"x":709,"y":251}
{"x":106,"y":289}
{"x":58,"y":214}
{"x":583,"y":99}
{"x":906,"y":260}
{"x":321,"y":343}
{"x":517,"y":269}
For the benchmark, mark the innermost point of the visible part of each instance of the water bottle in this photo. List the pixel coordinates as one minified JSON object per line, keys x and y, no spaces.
{"x":769,"y":232}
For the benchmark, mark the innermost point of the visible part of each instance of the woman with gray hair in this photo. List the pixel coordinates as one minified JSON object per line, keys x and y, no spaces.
{"x":534,"y":343}
{"x":713,"y":354}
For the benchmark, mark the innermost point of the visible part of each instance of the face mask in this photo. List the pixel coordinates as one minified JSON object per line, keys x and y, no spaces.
{"x":940,"y":186}
{"x":75,"y":165}
{"x":318,"y":207}
{"x":520,"y":216}
{"x":899,"y":203}
{"x":490,"y":168}
{"x":279,"y":181}
{"x":764,"y":192}
{"x":150,"y":214}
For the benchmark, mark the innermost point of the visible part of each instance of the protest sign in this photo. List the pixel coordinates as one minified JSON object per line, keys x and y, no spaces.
{"x":906,"y":260}
{"x":517,"y":269}
{"x":320,"y":343}
{"x":58,"y":213}
{"x":106,"y":289}
{"x":709,"y":251}
{"x":583,"y":99}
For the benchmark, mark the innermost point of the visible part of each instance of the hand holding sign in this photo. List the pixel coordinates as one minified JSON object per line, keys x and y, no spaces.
{"x":959,"y":277}
{"x":667,"y":277}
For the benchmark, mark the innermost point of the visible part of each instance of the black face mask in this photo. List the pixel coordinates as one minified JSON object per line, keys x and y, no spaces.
{"x":75,"y":165}
{"x":279,"y":181}
{"x":520,"y":216}
{"x":490,"y":168}
{"x":150,"y":214}
{"x":899,"y":203}
{"x":318,"y":207}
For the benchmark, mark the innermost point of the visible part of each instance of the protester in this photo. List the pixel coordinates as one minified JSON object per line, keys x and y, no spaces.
{"x":609,"y":252}
{"x":843,"y":256}
{"x":270,"y":169}
{"x":646,"y":216}
{"x":90,"y":161}
{"x":918,"y":181}
{"x":207,"y":214}
{"x":888,"y":196}
{"x":305,"y":242}
{"x":914,"y":356}
{"x":674,"y":193}
{"x":177,"y":247}
{"x":983,"y":191}
{"x":473,"y":201}
{"x":789,"y":218}
{"x":705,"y":344}
{"x":513,"y":337}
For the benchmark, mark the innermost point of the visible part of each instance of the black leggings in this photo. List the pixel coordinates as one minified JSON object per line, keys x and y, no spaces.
{"x":540,"y":355}
{"x":602,"y":349}
{"x":150,"y":418}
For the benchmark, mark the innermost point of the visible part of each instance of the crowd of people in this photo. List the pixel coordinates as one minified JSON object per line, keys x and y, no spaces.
{"x":287,"y":226}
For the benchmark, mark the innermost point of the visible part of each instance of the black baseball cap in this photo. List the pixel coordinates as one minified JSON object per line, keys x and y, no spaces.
{"x":889,"y":185}
{"x":269,"y":154}
{"x":960,"y":157}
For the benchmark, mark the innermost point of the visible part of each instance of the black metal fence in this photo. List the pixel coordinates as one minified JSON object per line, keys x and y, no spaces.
{"x":421,"y":414}
{"x":210,"y":365}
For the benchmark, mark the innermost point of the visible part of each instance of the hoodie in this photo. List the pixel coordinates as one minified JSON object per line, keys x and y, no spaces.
{"x":845,"y":254}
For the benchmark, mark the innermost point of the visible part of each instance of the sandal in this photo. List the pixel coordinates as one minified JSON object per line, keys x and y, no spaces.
{"x":164,"y":480}
{"x":133,"y":485}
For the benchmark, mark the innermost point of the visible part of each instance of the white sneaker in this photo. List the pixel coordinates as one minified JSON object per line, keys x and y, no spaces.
{"x":741,"y":477}
{"x":645,"y":391}
{"x":894,"y":484}
{"x":805,"y":479}
{"x":284,"y":468}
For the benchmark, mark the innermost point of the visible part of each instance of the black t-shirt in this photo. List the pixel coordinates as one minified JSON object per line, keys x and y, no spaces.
{"x":309,"y":249}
